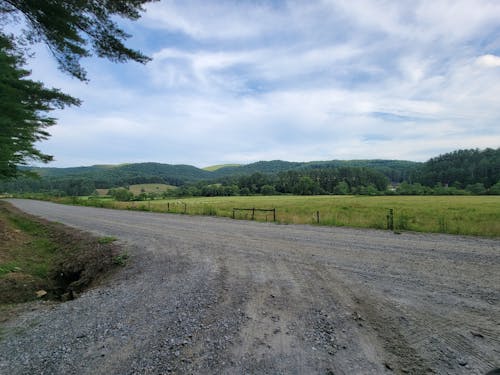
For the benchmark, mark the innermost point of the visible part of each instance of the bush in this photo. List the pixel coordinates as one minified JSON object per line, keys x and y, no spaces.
{"x":121,"y":194}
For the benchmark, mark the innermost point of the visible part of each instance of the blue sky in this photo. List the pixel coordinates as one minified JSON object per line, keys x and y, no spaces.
{"x":243,"y":81}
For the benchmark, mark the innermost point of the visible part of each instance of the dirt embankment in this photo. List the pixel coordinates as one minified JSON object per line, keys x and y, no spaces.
{"x":215,"y":296}
{"x":40,"y":256}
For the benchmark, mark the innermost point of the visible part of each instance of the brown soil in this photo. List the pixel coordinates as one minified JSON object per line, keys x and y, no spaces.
{"x":77,"y":262}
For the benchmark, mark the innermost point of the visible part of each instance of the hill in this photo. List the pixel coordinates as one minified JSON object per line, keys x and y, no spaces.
{"x":107,"y":176}
{"x":394,"y":170}
{"x":461,"y":168}
{"x":213,"y":168}
{"x":477,"y":171}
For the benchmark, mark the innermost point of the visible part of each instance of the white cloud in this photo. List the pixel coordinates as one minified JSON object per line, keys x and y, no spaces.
{"x":489,"y":61}
{"x":247,"y":81}
{"x":213,"y":19}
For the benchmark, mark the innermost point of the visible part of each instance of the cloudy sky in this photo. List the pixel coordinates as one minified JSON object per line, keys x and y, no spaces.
{"x":243,"y":81}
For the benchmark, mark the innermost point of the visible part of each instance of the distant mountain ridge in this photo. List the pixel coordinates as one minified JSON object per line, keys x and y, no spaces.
{"x":177,"y":174}
{"x":474,"y":171}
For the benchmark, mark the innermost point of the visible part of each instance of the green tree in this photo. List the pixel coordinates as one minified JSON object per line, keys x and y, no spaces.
{"x":268,"y":190}
{"x":71,"y":30}
{"x":306,"y":186}
{"x":23,"y":111}
{"x":476,"y":189}
{"x":121,"y":194}
{"x":495,"y":189}
{"x":342,"y":188}
{"x":75,"y":29}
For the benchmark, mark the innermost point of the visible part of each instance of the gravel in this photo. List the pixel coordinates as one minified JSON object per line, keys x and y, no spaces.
{"x":204,"y":295}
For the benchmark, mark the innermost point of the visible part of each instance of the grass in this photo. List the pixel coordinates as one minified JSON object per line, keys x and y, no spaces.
{"x":30,"y":252}
{"x":150,"y":188}
{"x":465,"y":215}
{"x":121,"y":259}
{"x":213,"y":168}
{"x":106,"y":240}
{"x":36,"y":254}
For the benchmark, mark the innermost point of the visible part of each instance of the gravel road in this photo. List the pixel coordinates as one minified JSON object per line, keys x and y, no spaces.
{"x":204,"y":295}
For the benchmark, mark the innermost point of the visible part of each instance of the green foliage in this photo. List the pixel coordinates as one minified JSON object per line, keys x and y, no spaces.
{"x":476,"y":189}
{"x":306,"y":186}
{"x":268,"y":190}
{"x":121,"y":259}
{"x":495,"y":189}
{"x":342,"y":188}
{"x":24,"y":105}
{"x":71,"y":30}
{"x":8,"y":267}
{"x":75,"y":29}
{"x":121,"y":194}
{"x":106,"y":240}
{"x":467,"y":167}
{"x":334,"y":177}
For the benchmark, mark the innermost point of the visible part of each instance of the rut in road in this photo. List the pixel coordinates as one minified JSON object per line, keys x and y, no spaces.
{"x":212,"y":295}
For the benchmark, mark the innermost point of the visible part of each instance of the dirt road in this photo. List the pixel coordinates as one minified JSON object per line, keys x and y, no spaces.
{"x":216,"y":296}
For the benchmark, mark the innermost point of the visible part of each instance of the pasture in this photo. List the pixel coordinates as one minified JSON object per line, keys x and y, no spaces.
{"x":150,"y":188}
{"x":466,"y":215}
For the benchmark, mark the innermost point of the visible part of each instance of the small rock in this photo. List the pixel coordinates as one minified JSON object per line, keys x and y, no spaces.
{"x":462,"y":362}
{"x":476,"y":334}
{"x":40,"y":293}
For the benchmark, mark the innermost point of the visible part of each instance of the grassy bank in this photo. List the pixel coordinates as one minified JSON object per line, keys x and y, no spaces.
{"x":48,"y":258}
{"x":466,"y":215}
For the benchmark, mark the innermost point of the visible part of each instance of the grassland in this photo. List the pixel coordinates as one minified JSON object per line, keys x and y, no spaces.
{"x":213,"y":168}
{"x":467,"y":215}
{"x":142,"y":188}
{"x":150,"y":188}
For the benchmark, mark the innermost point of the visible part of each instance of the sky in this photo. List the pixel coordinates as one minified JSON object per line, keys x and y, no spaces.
{"x":244,"y":81}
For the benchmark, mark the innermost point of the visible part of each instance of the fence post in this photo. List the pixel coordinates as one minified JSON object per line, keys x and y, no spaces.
{"x":233,"y":213}
{"x":274,"y":214}
{"x":168,"y":206}
{"x":317,"y":217}
{"x":253,"y":213}
{"x":390,"y":219}
{"x":185,"y":207}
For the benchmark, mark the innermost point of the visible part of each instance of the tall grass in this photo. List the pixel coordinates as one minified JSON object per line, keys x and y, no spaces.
{"x":467,"y":215}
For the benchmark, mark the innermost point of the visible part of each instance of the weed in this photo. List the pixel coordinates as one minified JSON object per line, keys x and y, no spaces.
{"x":8,"y":268}
{"x":403,"y":222}
{"x":209,"y":211}
{"x":106,"y":240}
{"x":442,"y":225}
{"x":121,"y":259}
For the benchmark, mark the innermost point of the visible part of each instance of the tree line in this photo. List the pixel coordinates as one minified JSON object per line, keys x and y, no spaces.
{"x":460,"y":172}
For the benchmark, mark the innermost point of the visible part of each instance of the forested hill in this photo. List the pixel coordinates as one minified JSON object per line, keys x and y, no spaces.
{"x":459,"y":169}
{"x":84,"y":180}
{"x":394,"y":170}
{"x":128,"y":174}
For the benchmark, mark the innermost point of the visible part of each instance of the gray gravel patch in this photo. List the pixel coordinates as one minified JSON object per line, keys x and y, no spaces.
{"x":207,"y":295}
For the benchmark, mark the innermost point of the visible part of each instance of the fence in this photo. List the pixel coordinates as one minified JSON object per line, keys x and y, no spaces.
{"x":273,"y":210}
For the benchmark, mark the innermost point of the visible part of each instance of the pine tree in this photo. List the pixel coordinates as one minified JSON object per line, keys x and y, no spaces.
{"x":24,"y":105}
{"x":71,"y":30}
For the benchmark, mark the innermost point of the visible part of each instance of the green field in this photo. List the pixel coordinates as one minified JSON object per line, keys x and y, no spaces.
{"x":469,"y":215}
{"x":150,"y":188}
{"x":213,"y":168}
